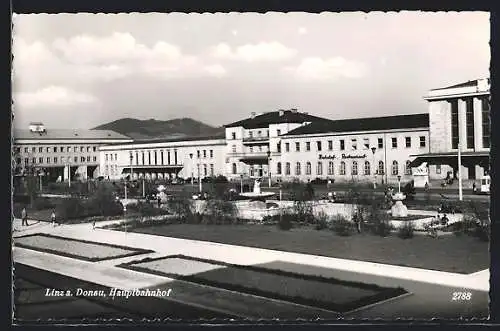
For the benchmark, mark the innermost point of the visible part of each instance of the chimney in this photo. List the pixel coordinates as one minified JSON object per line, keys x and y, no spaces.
{"x":253,"y":114}
{"x":281,"y":112}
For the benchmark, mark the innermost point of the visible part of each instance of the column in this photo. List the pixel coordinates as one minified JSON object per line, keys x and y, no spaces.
{"x":478,"y":127}
{"x":462,"y":124}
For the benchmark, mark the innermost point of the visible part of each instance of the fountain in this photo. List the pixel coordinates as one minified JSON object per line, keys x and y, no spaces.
{"x":399,"y":209}
{"x":257,"y":194}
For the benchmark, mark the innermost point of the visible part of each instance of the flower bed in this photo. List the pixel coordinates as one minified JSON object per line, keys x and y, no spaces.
{"x":327,"y":293}
{"x":75,"y":248}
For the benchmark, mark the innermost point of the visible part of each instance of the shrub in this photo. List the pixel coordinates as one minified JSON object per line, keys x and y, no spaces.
{"x":71,"y":208}
{"x":285,"y":221}
{"x":406,"y":231}
{"x":219,"y":212}
{"x":104,"y":203}
{"x":378,"y":219}
{"x":146,"y":209}
{"x":303,"y":211}
{"x":321,"y":221}
{"x":342,"y":226}
{"x":182,"y":207}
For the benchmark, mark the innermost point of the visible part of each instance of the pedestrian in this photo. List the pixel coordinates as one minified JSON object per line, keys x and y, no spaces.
{"x":53,"y":218}
{"x":24,"y":217}
{"x":426,"y":187}
{"x":159,"y":201}
{"x":474,"y":188}
{"x":444,"y":220}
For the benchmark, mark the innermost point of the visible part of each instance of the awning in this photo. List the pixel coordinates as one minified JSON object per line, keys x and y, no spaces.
{"x":251,"y":160}
{"x":468,"y":159}
{"x":154,"y":169}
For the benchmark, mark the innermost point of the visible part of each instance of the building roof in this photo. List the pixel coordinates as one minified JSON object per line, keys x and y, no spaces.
{"x":364,"y":124}
{"x":470,"y":83}
{"x":80,"y":134}
{"x":174,"y":139}
{"x":275,"y":117}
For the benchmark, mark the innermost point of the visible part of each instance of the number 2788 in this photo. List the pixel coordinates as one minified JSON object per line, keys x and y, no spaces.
{"x":461,"y":296}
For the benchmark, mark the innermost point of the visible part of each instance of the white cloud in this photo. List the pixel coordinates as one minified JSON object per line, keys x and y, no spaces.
{"x":264,"y":51}
{"x":316,"y":68}
{"x":215,"y":70}
{"x":53,"y":96}
{"x":302,"y":30}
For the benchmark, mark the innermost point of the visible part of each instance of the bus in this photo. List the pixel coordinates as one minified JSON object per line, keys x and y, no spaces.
{"x":485,"y":185}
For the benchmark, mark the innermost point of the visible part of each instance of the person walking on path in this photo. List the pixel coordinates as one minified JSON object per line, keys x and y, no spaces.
{"x":53,"y":217}
{"x":24,"y":217}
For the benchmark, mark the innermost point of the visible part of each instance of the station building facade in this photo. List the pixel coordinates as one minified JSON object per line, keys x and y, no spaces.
{"x":196,"y":157}
{"x":57,"y":153}
{"x":459,"y":117}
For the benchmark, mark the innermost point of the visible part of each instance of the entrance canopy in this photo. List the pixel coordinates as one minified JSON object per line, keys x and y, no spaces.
{"x":153,"y":168}
{"x":251,"y":160}
{"x":468,"y":159}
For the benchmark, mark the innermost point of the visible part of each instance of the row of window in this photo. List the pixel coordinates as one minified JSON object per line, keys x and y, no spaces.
{"x":258,"y":134}
{"x":469,"y":123}
{"x":204,"y":169}
{"x":354,"y":144}
{"x":342,"y":168}
{"x":152,"y":157}
{"x":55,"y":160}
{"x":58,"y":149}
{"x":199,"y":153}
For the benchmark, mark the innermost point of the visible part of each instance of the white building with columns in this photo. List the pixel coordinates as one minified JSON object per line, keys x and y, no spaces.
{"x":459,"y":117}
{"x":197,"y":157}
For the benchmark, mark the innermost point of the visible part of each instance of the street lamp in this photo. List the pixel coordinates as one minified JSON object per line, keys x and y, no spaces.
{"x":374,"y":168}
{"x":399,"y":183}
{"x":131,"y":166}
{"x":269,"y":166}
{"x":241,"y":183}
{"x":192,"y":168}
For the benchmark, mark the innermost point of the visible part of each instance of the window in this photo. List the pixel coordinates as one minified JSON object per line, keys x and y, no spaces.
{"x":408,"y":142}
{"x":106,"y":157}
{"x":395,"y":168}
{"x":260,"y":148}
{"x":319,"y":169}
{"x":469,"y":122}
{"x":234,"y":169}
{"x":211,"y":153}
{"x":95,"y":158}
{"x":366,"y":143}
{"x":82,"y":149}
{"x":69,"y":149}
{"x":259,"y":133}
{"x":33,"y":149}
{"x":204,"y":153}
{"x":26,"y":160}
{"x":205,"y":171}
{"x":252,"y":171}
{"x":367,"y":168}
{"x":142,"y":156}
{"x":175,"y":156}
{"x":82,"y":159}
{"x":136,"y":158}
{"x":75,"y":159}
{"x":422,"y":141}
{"x":308,"y":168}
{"x":297,"y":169}
{"x":233,"y":148}
{"x":106,"y":171}
{"x":454,"y":123}
{"x":287,"y":147}
{"x":48,"y":150}
{"x":278,"y":168}
{"x":26,"y":149}
{"x":162,"y":158}
{"x":233,"y":135}
{"x":342,"y":168}
{"x":75,"y":149}
{"x":88,"y":158}
{"x":297,"y":147}
{"x":61,"y":149}
{"x":278,"y":147}
{"x":94,"y":149}
{"x":381,"y":169}
{"x":308,"y":146}
{"x":354,"y":144}
{"x":438,"y":169}
{"x":168,"y":157}
{"x":287,"y":168}
{"x":55,"y":160}
{"x":354,"y":171}
{"x":330,"y":145}
{"x":318,"y":144}
{"x":198,"y":153}
{"x":278,"y":132}
{"x":407,"y":168}
{"x":116,"y":157}
{"x":394,"y":142}
{"x":330,"y":168}
{"x":156,"y":157}
{"x":41,"y":160}
{"x":211,"y":169}
{"x":63,"y":159}
{"x":88,"y":149}
{"x":250,"y":134}
{"x":251,"y":149}
{"x":486,"y":122}
{"x":34,"y":160}
{"x":342,"y":144}
{"x":40,"y":149}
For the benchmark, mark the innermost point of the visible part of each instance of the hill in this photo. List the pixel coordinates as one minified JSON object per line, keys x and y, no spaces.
{"x":147,"y":129}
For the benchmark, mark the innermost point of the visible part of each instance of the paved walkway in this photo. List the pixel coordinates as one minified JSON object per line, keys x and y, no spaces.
{"x":251,"y":256}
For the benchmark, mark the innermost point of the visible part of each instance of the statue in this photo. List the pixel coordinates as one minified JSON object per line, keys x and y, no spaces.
{"x":256,"y":187}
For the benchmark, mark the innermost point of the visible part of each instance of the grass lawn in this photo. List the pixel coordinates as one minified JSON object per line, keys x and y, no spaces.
{"x":410,"y":218}
{"x":74,"y":248}
{"x":328,"y":293}
{"x":462,"y":254}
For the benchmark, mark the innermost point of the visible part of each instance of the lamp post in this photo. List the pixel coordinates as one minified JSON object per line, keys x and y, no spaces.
{"x":269,"y":166}
{"x":192,"y":168}
{"x":241,"y":183}
{"x":199,"y":177}
{"x":460,"y":193}
{"x":131,"y":167}
{"x":374,"y":168}
{"x":399,"y":183}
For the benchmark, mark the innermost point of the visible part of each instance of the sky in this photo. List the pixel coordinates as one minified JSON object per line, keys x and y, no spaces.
{"x":83,"y":70}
